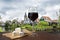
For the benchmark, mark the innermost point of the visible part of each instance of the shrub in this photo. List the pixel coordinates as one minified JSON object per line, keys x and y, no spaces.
{"x":27,"y":26}
{"x":39,"y":27}
{"x":44,"y":23}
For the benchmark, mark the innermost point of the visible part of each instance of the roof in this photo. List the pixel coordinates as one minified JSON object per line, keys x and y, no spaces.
{"x":55,"y":20}
{"x":46,"y":17}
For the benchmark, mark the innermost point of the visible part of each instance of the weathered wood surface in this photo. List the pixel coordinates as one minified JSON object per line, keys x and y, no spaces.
{"x":38,"y":36}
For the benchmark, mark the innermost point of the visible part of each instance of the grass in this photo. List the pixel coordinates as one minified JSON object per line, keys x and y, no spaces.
{"x":39,"y":27}
{"x":1,"y":29}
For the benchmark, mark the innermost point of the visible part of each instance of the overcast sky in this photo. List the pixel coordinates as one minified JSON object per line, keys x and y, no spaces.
{"x":10,"y":9}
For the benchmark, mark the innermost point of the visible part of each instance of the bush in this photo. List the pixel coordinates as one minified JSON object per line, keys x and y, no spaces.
{"x":39,"y":27}
{"x":44,"y":23}
{"x":27,"y":26}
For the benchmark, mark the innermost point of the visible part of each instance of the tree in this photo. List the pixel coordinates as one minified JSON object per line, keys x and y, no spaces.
{"x":59,"y":18}
{"x":58,"y":14}
{"x":0,"y":17}
{"x":15,"y":24}
{"x":41,"y":19}
{"x":7,"y":25}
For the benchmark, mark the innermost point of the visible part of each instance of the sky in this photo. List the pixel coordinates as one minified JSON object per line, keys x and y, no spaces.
{"x":12,"y":9}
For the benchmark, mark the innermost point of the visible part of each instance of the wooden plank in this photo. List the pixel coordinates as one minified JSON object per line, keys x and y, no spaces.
{"x":27,"y":31}
{"x":11,"y":35}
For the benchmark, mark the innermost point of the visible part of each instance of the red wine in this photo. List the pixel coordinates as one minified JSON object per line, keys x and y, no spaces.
{"x":33,"y":15}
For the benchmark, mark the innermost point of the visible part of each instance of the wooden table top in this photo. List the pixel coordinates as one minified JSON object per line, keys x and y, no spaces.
{"x":12,"y":36}
{"x":38,"y":36}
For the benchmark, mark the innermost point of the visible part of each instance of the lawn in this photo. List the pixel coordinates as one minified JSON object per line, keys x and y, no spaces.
{"x":1,"y":29}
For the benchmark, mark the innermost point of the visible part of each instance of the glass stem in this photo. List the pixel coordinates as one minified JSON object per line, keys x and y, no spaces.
{"x":33,"y":27}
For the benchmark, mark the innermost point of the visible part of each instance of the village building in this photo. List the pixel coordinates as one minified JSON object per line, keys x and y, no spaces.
{"x":26,"y":19}
{"x":45,"y":18}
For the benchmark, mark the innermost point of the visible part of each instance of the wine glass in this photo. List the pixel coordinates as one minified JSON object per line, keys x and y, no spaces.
{"x":33,"y":16}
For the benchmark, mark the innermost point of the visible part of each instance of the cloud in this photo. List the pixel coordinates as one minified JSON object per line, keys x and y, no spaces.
{"x":16,"y":8}
{"x":15,"y":13}
{"x":52,"y":11}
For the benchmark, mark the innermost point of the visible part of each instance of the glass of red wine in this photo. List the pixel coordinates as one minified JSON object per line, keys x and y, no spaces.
{"x":33,"y":16}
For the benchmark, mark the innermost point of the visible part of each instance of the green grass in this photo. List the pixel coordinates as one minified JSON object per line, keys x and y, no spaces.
{"x":1,"y":29}
{"x":39,"y":27}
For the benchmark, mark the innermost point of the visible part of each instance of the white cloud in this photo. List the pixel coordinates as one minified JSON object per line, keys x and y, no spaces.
{"x":16,"y":14}
{"x":52,"y":10}
{"x":17,"y":8}
{"x":4,"y":18}
{"x":55,"y":7}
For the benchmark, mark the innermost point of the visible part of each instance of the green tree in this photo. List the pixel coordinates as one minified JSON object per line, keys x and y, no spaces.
{"x":15,"y":24}
{"x":7,"y":25}
{"x":59,"y":21}
{"x":58,"y":14}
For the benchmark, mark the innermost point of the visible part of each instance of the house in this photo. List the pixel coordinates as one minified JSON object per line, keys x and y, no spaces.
{"x":55,"y":20}
{"x":45,"y":18}
{"x":48,"y":19}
